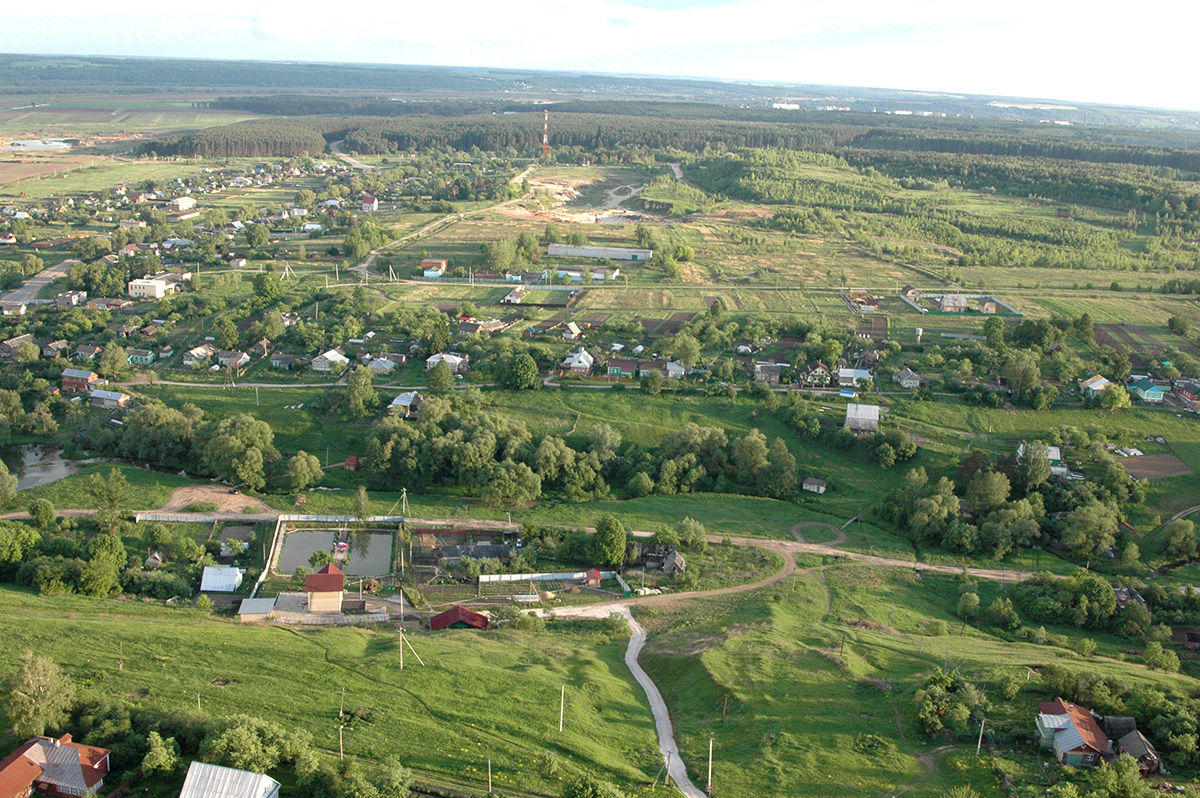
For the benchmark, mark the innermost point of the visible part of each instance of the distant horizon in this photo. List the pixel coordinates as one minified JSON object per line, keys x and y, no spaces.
{"x":1026,"y":50}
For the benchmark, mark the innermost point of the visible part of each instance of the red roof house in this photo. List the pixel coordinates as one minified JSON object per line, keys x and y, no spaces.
{"x":1073,"y":732}
{"x":458,"y":618}
{"x":593,"y":577}
{"x":326,"y":579}
{"x":53,"y":767}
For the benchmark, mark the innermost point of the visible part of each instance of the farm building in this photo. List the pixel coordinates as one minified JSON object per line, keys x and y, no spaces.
{"x":612,"y":253}
{"x":78,"y":380}
{"x":53,"y":766}
{"x":324,"y":589}
{"x":1073,"y":732}
{"x":862,"y":418}
{"x":215,"y":781}
{"x":458,"y":617}
{"x":813,"y":485}
{"x":110,"y":400}
{"x":256,"y":610}
{"x":987,"y":306}
{"x":459,"y":364}
{"x":221,"y":579}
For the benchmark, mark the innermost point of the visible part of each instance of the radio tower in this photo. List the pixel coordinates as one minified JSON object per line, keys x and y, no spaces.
{"x":546,"y":136}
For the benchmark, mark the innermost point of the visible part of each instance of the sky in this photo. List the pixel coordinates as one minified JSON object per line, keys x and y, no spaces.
{"x":1051,"y":49}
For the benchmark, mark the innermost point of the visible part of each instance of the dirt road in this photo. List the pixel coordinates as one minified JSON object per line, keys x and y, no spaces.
{"x":336,"y":149}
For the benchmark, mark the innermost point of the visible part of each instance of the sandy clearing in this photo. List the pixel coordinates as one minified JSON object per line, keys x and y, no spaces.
{"x":216,"y":494}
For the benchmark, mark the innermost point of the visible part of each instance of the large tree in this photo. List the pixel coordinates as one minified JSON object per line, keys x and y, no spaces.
{"x":40,"y":696}
{"x":304,"y":469}
{"x":361,"y":391}
{"x":440,"y":378}
{"x":523,"y":373}
{"x":1091,"y":529}
{"x":610,"y":540}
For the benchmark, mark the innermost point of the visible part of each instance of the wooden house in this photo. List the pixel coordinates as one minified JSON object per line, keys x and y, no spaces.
{"x":324,"y":589}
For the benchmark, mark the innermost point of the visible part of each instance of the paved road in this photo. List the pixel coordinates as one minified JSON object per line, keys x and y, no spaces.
{"x":34,"y":285}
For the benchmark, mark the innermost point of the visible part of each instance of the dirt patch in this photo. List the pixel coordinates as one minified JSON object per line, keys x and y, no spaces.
{"x":221,"y":682}
{"x":1155,"y":466}
{"x":216,"y":494}
{"x":863,"y":623}
{"x":140,"y":695}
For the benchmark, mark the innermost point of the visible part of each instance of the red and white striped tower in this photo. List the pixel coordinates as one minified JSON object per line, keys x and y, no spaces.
{"x":546,"y":136}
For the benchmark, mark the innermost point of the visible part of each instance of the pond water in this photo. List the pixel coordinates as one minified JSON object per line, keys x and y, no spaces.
{"x":370,"y":553}
{"x":31,"y":145}
{"x":37,"y":465}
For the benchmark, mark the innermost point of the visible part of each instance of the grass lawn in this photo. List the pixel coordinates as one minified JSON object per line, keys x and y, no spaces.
{"x":148,"y":489}
{"x":479,"y":696}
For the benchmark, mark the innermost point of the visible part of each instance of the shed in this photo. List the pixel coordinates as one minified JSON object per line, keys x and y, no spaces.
{"x":592,"y":578}
{"x":862,"y":418}
{"x":1137,"y":746}
{"x":221,"y":579}
{"x":257,"y":610}
{"x":458,"y":617}
{"x":813,"y":485}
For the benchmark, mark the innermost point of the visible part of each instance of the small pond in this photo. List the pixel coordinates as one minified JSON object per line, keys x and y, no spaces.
{"x":370,"y":553}
{"x":37,"y":465}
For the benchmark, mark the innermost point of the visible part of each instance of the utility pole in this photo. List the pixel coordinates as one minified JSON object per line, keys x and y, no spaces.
{"x":121,"y":657}
{"x":562,"y":705}
{"x":489,"y":776}
{"x":342,"y":707}
{"x":979,"y":744}
{"x":198,"y":703}
{"x":724,"y":708}
{"x":341,"y":749}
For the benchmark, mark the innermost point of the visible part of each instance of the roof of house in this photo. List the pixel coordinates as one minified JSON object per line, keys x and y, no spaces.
{"x":55,"y":761}
{"x":1118,"y":727}
{"x":458,"y":614}
{"x":1094,"y":382}
{"x":257,"y":606}
{"x":1081,"y":729}
{"x":814,"y":482}
{"x":906,"y":374}
{"x":327,"y":579}
{"x":624,"y":364}
{"x":80,"y":374}
{"x":214,"y":781}
{"x":867,"y":412}
{"x":1146,"y":384}
{"x":593,"y":573}
{"x":1137,"y":746}
{"x":115,"y":396}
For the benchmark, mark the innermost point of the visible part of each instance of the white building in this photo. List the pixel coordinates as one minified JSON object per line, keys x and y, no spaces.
{"x":850,"y":378}
{"x":580,"y":362}
{"x":333,"y":360}
{"x":612,"y":253}
{"x":1093,"y":386}
{"x":457,"y":363}
{"x":182,"y":204}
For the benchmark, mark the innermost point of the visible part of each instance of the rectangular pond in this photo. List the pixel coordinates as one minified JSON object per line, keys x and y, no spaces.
{"x":370,"y":553}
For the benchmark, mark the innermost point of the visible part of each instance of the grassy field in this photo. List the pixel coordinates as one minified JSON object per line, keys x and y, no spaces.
{"x":434,"y":718}
{"x":811,"y":715}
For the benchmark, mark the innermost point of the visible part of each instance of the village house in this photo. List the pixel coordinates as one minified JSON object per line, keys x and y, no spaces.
{"x":370,"y":204}
{"x":459,"y":364}
{"x":283,"y":362}
{"x":217,"y":781}
{"x":140,"y":357}
{"x":199,"y":354}
{"x":813,"y":485}
{"x":324,"y":588}
{"x":1188,"y":391}
{"x":579,"y":363}
{"x":1073,"y":732}
{"x":907,"y":378}
{"x":407,"y":405}
{"x":513,"y":297}
{"x":256,"y":610}
{"x":673,"y":370}
{"x":770,"y":373}
{"x":851,"y":378}
{"x":1093,"y":386}
{"x":234,"y":360}
{"x":109,"y":303}
{"x":1054,"y":455}
{"x":1147,"y":391}
{"x":815,"y":374}
{"x":331,"y":360}
{"x":260,"y":348}
{"x":289,"y":319}
{"x":862,"y":418}
{"x":571,"y":332}
{"x":123,"y":330}
{"x":910,"y":293}
{"x":53,"y":766}
{"x":622,"y":367}
{"x":433,"y":268}
{"x":53,"y":349}
{"x":611,"y":253}
{"x":479,"y":327}
{"x":78,"y":380}
{"x":458,"y":617}
{"x":12,"y":308}
{"x":86,"y":352}
{"x":110,"y":400}
{"x":181,"y":204}
{"x":380,"y":366}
